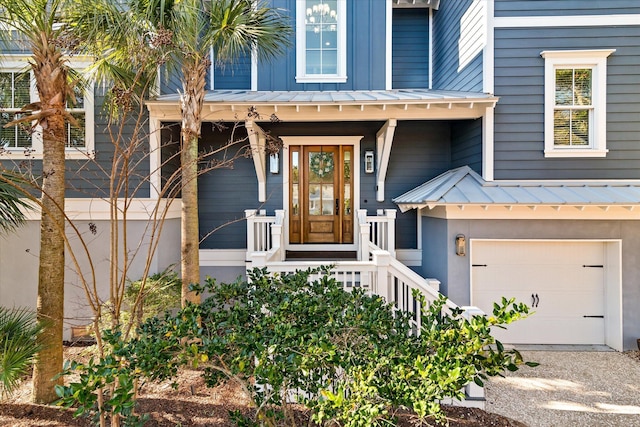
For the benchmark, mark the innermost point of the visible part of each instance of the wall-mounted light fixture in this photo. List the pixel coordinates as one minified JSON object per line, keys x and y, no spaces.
{"x":461,"y":245}
{"x":274,"y":163}
{"x":368,"y":161}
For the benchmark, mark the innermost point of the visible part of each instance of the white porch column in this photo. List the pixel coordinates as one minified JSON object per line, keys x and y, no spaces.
{"x":155,"y":159}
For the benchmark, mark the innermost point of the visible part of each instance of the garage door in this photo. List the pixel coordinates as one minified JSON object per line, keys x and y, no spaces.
{"x":563,"y":282}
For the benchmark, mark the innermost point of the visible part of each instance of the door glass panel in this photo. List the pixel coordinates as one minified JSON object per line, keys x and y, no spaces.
{"x":321,"y":167}
{"x":295,"y":183}
{"x":327,"y":199}
{"x":314,"y":199}
{"x":347,"y":182}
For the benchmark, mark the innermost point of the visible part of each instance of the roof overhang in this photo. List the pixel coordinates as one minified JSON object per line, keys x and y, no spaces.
{"x":462,"y":193}
{"x":433,"y":4}
{"x":331,"y":106}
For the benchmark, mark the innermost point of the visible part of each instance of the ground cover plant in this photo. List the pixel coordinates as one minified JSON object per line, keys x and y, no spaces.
{"x":19,"y":344}
{"x":286,"y":339}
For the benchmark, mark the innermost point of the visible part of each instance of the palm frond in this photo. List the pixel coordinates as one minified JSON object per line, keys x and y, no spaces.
{"x":19,"y":344}
{"x":12,"y":201}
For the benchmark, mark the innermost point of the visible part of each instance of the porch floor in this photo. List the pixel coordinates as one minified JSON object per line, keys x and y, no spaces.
{"x":321,"y":255}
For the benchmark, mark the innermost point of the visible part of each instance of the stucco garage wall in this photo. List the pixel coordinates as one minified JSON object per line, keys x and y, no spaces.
{"x":19,"y":263}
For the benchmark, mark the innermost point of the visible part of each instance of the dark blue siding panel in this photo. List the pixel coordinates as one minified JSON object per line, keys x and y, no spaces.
{"x":86,"y":178}
{"x":421,"y":151}
{"x":466,"y":144}
{"x":365,"y":52}
{"x":170,"y":81}
{"x":410,"y":35}
{"x":233,"y":76}
{"x":519,"y":115}
{"x":564,"y":7}
{"x":447,"y":73}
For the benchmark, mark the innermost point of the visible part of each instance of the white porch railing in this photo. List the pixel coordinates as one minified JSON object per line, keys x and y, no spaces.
{"x":376,"y":269}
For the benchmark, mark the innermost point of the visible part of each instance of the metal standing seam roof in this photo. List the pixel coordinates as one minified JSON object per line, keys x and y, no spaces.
{"x":463,"y":186}
{"x":366,"y":96}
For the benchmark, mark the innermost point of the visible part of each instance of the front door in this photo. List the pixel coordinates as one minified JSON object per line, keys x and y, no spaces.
{"x":320,"y":195}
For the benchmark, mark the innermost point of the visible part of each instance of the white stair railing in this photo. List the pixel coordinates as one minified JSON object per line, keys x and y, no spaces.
{"x":377,"y":270}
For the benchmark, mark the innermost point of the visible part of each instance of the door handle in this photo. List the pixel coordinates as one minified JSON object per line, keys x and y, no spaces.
{"x":535,"y":300}
{"x":337,"y":206}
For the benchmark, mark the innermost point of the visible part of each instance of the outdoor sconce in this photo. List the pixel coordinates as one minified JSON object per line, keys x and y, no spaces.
{"x":274,"y":163}
{"x":461,"y":246}
{"x":368,"y":162}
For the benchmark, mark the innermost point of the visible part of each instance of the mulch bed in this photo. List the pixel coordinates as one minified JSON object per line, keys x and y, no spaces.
{"x":193,"y":404}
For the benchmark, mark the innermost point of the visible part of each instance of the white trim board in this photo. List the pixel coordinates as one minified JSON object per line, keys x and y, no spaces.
{"x":320,"y":140}
{"x":567,"y":21}
{"x":542,"y":212}
{"x":100,"y":209}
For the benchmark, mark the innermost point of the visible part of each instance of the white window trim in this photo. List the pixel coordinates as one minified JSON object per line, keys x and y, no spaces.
{"x":301,"y":57}
{"x":19,"y":63}
{"x":595,"y":60}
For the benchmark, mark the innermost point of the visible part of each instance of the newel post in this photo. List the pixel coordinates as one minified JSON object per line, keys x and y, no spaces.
{"x":277,"y":238}
{"x":382,"y":259}
{"x":250,"y":214}
{"x":365,"y":230}
{"x":391,"y":231}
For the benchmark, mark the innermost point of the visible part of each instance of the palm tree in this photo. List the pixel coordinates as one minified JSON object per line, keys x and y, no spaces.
{"x":36,"y":24}
{"x":189,"y":30}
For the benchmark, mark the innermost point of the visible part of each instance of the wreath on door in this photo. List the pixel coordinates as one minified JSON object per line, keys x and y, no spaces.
{"x":321,"y":163}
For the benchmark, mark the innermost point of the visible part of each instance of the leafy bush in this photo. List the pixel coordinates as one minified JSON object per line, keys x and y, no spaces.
{"x":18,"y":346}
{"x":349,"y":357}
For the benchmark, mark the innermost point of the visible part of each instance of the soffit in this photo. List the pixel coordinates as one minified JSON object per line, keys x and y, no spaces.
{"x":403,"y":104}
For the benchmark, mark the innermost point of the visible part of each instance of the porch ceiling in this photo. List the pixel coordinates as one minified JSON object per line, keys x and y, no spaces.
{"x":434,"y":4}
{"x":402,"y":104}
{"x":464,"y":187}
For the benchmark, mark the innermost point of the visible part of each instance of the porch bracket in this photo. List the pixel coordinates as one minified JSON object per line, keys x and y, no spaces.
{"x":257,"y":142}
{"x":384,"y":141}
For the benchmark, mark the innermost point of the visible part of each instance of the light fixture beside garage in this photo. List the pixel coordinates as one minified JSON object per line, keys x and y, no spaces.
{"x":461,"y":245}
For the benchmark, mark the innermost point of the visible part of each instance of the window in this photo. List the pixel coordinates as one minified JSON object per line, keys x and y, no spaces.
{"x":575,"y":103}
{"x":321,"y":41}
{"x":17,"y":89}
{"x":14,"y":93}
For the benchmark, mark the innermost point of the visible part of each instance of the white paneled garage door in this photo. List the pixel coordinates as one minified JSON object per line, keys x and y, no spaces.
{"x":563,"y":282}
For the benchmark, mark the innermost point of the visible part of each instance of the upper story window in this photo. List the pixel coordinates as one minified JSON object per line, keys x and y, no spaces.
{"x":17,"y":89}
{"x":575,"y":103}
{"x":321,"y":41}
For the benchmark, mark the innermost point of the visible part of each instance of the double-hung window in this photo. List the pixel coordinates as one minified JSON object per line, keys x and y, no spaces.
{"x":575,"y":103}
{"x":17,"y":89}
{"x":321,"y":41}
{"x":15,"y":92}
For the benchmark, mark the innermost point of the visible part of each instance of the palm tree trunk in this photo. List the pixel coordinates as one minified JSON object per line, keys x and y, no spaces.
{"x":50,"y":305}
{"x":194,"y":74}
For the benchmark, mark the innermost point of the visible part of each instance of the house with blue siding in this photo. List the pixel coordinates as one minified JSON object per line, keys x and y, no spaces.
{"x":476,"y":148}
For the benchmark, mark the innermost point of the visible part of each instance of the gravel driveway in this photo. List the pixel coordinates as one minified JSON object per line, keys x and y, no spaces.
{"x":570,"y":388}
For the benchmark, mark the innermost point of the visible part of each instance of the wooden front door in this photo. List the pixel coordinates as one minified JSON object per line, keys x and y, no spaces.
{"x":320,"y":198}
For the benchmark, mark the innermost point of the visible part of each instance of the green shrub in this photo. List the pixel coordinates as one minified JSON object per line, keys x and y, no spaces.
{"x":347,"y":356}
{"x":18,"y":346}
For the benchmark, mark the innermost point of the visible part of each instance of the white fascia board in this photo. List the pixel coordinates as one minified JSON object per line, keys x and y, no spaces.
{"x":567,"y":21}
{"x":535,"y":212}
